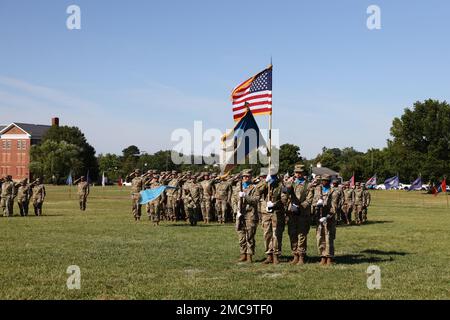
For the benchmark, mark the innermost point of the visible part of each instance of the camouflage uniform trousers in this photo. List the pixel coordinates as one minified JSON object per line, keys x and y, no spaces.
{"x":154,"y":209}
{"x":206,"y":209}
{"x":37,"y":205}
{"x":136,"y":207}
{"x":358,"y":213}
{"x":171,"y":208}
{"x":192,"y":212}
{"x":246,"y":234}
{"x":325,"y":235}
{"x":234,"y":207}
{"x":82,"y":200}
{"x":221,"y":209}
{"x":7,"y":204}
{"x":298,"y":229}
{"x":364,"y":214}
{"x":23,"y":206}
{"x":347,"y":211}
{"x":273,"y":227}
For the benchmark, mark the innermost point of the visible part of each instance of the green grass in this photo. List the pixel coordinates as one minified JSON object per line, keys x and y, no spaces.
{"x":408,"y":237}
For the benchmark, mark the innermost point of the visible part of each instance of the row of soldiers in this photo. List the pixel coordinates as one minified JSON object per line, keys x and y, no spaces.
{"x":24,"y":192}
{"x":269,"y":200}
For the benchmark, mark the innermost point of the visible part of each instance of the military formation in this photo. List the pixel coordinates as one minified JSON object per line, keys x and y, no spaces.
{"x":272,"y":201}
{"x":25,"y":193}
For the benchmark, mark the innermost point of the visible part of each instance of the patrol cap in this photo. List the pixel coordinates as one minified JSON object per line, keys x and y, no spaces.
{"x":174,"y":172}
{"x":246,"y":172}
{"x":358,"y":184}
{"x":24,"y":180}
{"x":299,"y":168}
{"x":335,"y":181}
{"x":325,"y":177}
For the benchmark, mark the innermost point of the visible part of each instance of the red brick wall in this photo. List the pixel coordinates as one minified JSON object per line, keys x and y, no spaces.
{"x":14,"y":156}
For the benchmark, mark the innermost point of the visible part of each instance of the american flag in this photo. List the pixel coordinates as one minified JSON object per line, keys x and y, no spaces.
{"x":257,"y":92}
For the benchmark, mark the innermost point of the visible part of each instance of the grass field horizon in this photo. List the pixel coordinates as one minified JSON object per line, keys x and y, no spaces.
{"x":407,"y":236}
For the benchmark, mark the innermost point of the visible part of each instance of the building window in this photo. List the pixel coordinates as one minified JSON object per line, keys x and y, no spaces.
{"x":4,"y":144}
{"x":8,"y":144}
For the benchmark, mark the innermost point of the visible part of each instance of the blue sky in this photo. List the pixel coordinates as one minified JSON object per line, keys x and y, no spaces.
{"x":137,"y":70}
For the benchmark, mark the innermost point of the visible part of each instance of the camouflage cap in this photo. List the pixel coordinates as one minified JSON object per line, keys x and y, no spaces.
{"x":174,"y":172}
{"x":299,"y":168}
{"x":24,"y":180}
{"x":246,"y":172}
{"x":357,"y":184}
{"x":325,"y":177}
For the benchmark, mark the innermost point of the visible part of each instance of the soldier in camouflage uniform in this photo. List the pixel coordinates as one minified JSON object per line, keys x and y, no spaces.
{"x":337,"y":192}
{"x":300,"y":197}
{"x":193,"y":201}
{"x":359,"y":203}
{"x":7,"y":195}
{"x":223,"y":197}
{"x":23,"y":197}
{"x":327,"y":202}
{"x":38,"y":196}
{"x":367,"y":199}
{"x":273,"y":217}
{"x":208,"y":191}
{"x":154,"y":208}
{"x":137,"y":185}
{"x":173,"y":197}
{"x":83,"y":191}
{"x":247,"y":217}
{"x":348,"y":203}
{"x":185,"y":193}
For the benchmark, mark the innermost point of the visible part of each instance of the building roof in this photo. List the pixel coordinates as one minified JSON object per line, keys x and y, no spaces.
{"x":323,"y":170}
{"x":36,"y":131}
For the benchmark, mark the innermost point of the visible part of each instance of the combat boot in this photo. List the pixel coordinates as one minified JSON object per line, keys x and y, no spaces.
{"x":249,"y":258}
{"x":301,"y":260}
{"x":296,"y":257}
{"x":275,"y":259}
{"x":269,"y":259}
{"x":329,"y":261}
{"x":243,"y":258}
{"x":323,"y":261}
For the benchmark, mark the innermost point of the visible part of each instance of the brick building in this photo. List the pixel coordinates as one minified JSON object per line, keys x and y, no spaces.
{"x":16,"y":140}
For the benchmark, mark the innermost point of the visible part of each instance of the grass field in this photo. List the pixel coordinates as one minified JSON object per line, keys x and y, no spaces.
{"x":408,"y":237}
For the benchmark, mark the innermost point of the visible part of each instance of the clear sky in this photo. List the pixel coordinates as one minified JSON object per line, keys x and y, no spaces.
{"x":137,"y":70}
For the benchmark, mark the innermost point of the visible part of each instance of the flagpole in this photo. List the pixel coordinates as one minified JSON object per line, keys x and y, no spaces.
{"x":270,"y":142}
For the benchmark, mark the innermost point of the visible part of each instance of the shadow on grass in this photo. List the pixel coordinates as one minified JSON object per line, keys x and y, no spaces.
{"x":380,"y":252}
{"x":181,"y":224}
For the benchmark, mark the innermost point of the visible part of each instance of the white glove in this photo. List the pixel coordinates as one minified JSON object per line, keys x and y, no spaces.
{"x":320,"y":202}
{"x":241,"y":194}
{"x":322,"y":220}
{"x":238,"y":215}
{"x":268,"y":178}
{"x":269,"y":204}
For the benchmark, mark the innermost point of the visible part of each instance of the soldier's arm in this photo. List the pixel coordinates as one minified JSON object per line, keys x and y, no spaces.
{"x":253,"y":197}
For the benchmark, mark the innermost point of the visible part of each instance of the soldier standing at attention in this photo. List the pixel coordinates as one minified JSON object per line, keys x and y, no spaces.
{"x":208,"y":190}
{"x":367,"y":199}
{"x":137,"y":185}
{"x":327,"y":206}
{"x":83,"y":191}
{"x":7,"y":201}
{"x":247,"y":217}
{"x":23,"y":197}
{"x":339,"y":197}
{"x":359,"y":203}
{"x":38,"y":196}
{"x":173,"y":196}
{"x":300,"y":197}
{"x":273,"y":218}
{"x":154,"y":207}
{"x":349,"y":201}
{"x":223,"y":197}
{"x":192,"y":201}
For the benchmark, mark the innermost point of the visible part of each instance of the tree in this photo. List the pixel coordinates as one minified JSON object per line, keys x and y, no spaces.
{"x":289,"y":157}
{"x":111,"y":165}
{"x":55,"y":158}
{"x":72,"y":138}
{"x":421,"y":141}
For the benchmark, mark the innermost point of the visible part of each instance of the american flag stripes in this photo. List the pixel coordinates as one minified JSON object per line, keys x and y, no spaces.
{"x":257,"y":92}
